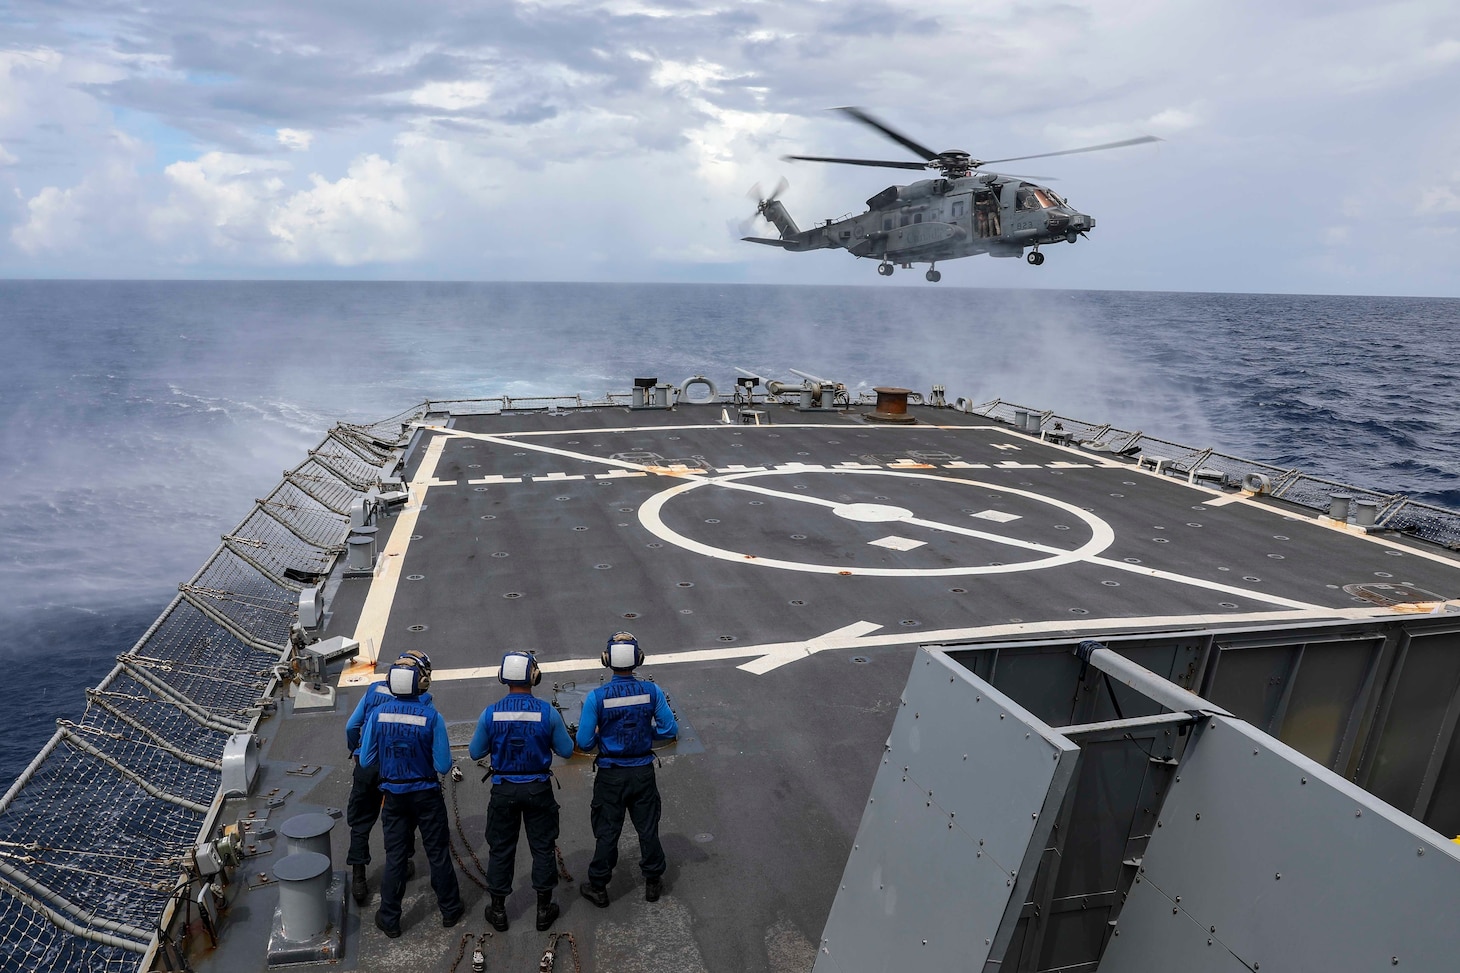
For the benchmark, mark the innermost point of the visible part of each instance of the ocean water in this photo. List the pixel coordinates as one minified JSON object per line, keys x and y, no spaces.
{"x":139,"y":420}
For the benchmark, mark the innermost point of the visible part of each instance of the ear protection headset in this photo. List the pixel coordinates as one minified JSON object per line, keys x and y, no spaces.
{"x":622,"y":652}
{"x":422,"y":659}
{"x":419,"y":661}
{"x":405,"y":680}
{"x":519,"y":669}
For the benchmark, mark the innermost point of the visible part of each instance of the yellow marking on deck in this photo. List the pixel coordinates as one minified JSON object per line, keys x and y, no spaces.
{"x":375,"y":615}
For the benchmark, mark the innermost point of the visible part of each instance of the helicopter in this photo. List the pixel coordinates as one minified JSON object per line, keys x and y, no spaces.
{"x":962,"y":212}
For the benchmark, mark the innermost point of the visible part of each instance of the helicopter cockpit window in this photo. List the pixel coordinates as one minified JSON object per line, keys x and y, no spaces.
{"x":1035,"y":198}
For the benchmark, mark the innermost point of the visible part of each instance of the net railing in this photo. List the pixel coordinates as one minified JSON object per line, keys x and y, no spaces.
{"x":1391,"y":512}
{"x":96,"y":833}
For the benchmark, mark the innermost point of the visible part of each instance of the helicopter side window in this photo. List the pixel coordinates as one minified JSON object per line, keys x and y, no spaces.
{"x":918,"y":218}
{"x":957,"y":208}
{"x":906,"y":219}
{"x":886,"y":222}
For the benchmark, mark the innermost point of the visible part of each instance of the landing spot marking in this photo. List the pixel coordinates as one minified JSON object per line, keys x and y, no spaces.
{"x":997,"y":516}
{"x":897,"y":543}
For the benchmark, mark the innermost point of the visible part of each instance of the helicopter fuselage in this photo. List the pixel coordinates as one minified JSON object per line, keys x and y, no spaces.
{"x":942,"y":219}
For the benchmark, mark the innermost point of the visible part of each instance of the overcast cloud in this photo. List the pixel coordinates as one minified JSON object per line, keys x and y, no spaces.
{"x":1310,"y":147}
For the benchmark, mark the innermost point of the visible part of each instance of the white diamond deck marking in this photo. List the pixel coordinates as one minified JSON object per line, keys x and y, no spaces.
{"x":997,"y":516}
{"x":897,"y":543}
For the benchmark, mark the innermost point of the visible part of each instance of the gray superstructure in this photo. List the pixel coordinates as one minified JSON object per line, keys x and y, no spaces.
{"x":787,"y":558}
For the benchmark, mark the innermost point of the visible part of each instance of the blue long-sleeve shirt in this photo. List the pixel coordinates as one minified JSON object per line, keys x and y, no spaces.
{"x":375,"y":694}
{"x":510,"y":713}
{"x":440,"y":749}
{"x":664,"y":724}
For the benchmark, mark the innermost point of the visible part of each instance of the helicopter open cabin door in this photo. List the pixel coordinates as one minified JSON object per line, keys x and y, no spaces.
{"x":986,"y":218}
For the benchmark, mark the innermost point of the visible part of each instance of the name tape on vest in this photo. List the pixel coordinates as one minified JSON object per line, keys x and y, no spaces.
{"x":410,"y":718}
{"x":516,"y":717}
{"x":618,"y":701}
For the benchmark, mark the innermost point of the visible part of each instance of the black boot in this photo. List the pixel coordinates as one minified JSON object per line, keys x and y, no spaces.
{"x":547,"y":910}
{"x":497,"y":912}
{"x":653,"y":888}
{"x":596,"y":894}
{"x":357,"y":884}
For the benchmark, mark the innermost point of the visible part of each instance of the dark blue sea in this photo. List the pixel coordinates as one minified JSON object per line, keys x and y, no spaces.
{"x":139,"y":420}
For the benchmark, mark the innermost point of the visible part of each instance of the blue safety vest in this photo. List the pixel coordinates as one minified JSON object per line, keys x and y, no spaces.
{"x":404,"y":729}
{"x":626,"y":723}
{"x":521,"y":736}
{"x":375,"y":694}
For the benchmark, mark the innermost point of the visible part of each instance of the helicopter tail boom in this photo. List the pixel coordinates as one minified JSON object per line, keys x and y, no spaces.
{"x":792,"y":236}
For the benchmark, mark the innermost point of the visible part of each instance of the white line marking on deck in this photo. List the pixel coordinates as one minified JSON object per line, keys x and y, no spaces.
{"x":375,"y":615}
{"x":858,"y":636}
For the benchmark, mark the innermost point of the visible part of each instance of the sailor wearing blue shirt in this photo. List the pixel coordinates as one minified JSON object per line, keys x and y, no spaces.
{"x":405,"y":738}
{"x":521,"y":733}
{"x":364,"y":805}
{"x":623,"y":718}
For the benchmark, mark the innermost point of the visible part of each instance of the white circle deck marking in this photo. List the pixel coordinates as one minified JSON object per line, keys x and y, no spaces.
{"x":1101,"y":533}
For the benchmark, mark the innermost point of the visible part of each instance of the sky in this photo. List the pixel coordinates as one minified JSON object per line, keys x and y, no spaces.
{"x":1307,"y":147}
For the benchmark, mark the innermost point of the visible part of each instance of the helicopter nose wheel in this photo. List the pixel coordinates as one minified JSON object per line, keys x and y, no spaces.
{"x":1035,"y":257}
{"x":885,"y":269}
{"x":934,"y":276}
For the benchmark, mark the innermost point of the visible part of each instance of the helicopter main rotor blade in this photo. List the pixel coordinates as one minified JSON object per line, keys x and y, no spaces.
{"x":856,"y":162}
{"x":890,"y":132}
{"x":1089,"y":148}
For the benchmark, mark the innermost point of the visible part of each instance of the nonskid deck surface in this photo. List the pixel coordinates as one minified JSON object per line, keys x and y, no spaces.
{"x":779,"y":578}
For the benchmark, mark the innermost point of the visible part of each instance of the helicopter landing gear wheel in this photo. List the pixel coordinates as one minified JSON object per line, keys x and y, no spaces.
{"x":1035,"y":257}
{"x":885,"y":269}
{"x":934,"y":276}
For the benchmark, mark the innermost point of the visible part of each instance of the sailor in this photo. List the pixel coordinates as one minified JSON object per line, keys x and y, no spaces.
{"x":405,"y":739}
{"x":521,"y":733}
{"x":364,"y":805}
{"x":623,"y":718}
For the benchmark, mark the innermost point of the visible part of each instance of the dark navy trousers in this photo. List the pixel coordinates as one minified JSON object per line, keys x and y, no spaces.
{"x":400,"y":817}
{"x":530,"y":807}
{"x":362,"y":811}
{"x":616,"y":791}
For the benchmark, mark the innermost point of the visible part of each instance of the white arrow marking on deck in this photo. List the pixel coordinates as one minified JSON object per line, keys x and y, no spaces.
{"x":769,"y":656}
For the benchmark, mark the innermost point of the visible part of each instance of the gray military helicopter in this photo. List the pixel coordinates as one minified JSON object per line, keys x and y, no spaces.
{"x":960,"y":213}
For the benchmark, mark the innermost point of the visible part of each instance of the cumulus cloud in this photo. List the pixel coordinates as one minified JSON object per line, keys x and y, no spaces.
{"x":363,"y":216}
{"x":294,"y":139}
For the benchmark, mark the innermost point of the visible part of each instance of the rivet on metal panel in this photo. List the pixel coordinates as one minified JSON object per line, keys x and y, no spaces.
{"x":1420,"y":852}
{"x":1278,"y":877}
{"x":1254,"y":753}
{"x":980,"y":842}
{"x":1138,"y":881}
{"x":1178,"y":778}
{"x":1034,"y":816}
{"x":1178,"y":898}
{"x":1394,"y":961}
{"x":1198,"y":815}
{"x":1303,"y":781}
{"x":1358,"y":813}
{"x":1174,"y":910}
{"x":1214,"y":929}
{"x":965,"y":756}
{"x":1026,"y":736}
{"x":1001,"y":716}
{"x":978,"y":699}
{"x":1158,"y":824}
{"x":1209,"y":942}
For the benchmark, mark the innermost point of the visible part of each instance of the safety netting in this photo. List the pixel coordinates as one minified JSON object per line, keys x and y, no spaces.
{"x":1391,"y":512}
{"x":97,"y":832}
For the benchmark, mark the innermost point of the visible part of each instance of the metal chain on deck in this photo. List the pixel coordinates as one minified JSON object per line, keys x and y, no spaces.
{"x":461,"y":950}
{"x":549,"y":958}
{"x":456,"y":820}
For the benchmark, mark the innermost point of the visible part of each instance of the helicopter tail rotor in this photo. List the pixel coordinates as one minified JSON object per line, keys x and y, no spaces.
{"x":763,"y":202}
